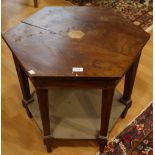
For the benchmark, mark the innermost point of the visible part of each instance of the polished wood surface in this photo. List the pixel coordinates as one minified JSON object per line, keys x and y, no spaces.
{"x":40,"y":51}
{"x":128,"y":86}
{"x":42,"y":96}
{"x":14,"y":137}
{"x":24,"y":84}
{"x":107,"y":48}
{"x":35,"y":3}
{"x":107,"y":97}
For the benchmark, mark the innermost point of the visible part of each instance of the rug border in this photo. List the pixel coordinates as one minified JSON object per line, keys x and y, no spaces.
{"x":112,"y":139}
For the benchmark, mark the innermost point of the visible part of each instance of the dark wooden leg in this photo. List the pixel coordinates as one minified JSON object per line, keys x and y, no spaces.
{"x":35,"y":3}
{"x":107,"y":98}
{"x":42,"y":95}
{"x":24,"y":84}
{"x":128,"y":87}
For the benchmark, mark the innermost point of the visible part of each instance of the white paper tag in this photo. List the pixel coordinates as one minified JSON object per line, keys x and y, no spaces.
{"x":77,"y":69}
{"x":32,"y":72}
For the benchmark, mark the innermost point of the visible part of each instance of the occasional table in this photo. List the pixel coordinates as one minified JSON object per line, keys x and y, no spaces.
{"x":75,"y":57}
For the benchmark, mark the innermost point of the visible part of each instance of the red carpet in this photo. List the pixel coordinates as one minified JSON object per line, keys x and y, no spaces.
{"x":135,"y":139}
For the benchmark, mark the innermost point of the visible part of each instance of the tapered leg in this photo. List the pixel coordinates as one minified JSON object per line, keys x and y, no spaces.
{"x":107,"y":98}
{"x":24,"y":85}
{"x":35,"y":3}
{"x":128,"y":86}
{"x":42,"y":95}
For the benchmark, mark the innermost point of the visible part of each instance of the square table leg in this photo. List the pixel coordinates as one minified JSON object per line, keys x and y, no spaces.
{"x":42,"y":95}
{"x":24,"y":85}
{"x":128,"y":86}
{"x":107,"y":98}
{"x":35,"y":3}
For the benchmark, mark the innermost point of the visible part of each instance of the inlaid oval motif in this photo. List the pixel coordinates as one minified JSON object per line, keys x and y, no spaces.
{"x":136,"y":23}
{"x":75,"y":34}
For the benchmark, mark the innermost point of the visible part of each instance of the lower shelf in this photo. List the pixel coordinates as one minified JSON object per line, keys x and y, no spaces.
{"x":75,"y":113}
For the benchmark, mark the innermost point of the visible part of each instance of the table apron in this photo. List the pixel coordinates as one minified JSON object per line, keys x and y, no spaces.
{"x":100,"y":84}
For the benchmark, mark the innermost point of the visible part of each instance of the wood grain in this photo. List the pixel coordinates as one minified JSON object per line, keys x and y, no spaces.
{"x":16,"y":126}
{"x":108,"y":48}
{"x":43,"y":48}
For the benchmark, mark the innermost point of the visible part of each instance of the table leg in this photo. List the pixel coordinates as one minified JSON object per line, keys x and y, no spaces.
{"x":128,"y":87}
{"x":35,"y":3}
{"x":24,"y":85}
{"x":42,"y":95}
{"x":107,"y":98}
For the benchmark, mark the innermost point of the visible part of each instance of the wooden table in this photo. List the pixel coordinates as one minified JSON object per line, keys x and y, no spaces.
{"x":76,"y":47}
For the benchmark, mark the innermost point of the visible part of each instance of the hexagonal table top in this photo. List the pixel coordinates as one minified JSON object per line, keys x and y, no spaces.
{"x":76,"y":41}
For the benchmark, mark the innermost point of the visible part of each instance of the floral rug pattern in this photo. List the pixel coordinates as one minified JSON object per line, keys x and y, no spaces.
{"x":141,"y":14}
{"x":136,"y":139}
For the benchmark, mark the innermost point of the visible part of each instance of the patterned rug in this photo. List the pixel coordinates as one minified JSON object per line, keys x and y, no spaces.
{"x":136,"y":139}
{"x":141,"y":14}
